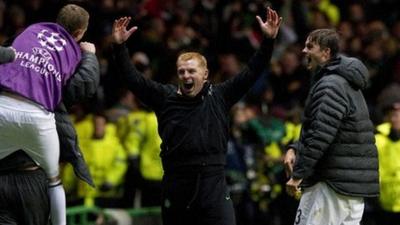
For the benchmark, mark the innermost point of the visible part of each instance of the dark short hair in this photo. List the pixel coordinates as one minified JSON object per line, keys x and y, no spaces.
{"x":326,"y":38}
{"x":73,"y":17}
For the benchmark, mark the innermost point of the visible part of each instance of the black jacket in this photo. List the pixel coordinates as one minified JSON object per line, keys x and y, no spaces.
{"x":6,"y":55}
{"x":337,"y":143}
{"x":80,"y":87}
{"x":194,"y":131}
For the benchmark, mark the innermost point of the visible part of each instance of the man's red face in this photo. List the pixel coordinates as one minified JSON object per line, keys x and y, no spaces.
{"x":191,"y":76}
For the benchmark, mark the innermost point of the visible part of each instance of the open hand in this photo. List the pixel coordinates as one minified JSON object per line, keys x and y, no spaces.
{"x":120,"y":33}
{"x":271,"y":26}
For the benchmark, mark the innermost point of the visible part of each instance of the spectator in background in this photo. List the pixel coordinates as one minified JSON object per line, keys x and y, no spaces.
{"x":229,"y":66}
{"x":240,"y":165}
{"x":289,"y":80}
{"x":331,"y":11}
{"x":388,"y":144}
{"x":15,"y":20}
{"x":106,"y":159}
{"x":139,"y":136}
{"x":335,"y":159}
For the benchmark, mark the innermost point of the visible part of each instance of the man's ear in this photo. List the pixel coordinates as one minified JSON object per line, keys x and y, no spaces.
{"x":327,"y":53}
{"x":78,"y":34}
{"x":205,"y":74}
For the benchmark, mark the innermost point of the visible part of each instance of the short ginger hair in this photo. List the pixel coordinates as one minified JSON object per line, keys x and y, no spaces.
{"x":193,"y":55}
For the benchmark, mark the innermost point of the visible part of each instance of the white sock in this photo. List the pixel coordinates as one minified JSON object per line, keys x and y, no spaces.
{"x":57,"y":204}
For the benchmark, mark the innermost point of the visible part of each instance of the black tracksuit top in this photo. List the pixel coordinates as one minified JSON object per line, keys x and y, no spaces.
{"x":194,"y":130}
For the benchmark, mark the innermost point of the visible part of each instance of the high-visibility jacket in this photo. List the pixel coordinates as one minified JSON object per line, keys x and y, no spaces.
{"x":131,"y":131}
{"x":139,"y":135}
{"x":106,"y":159}
{"x":84,"y":131}
{"x":292,"y":132}
{"x":389,"y":169}
{"x":330,"y":10}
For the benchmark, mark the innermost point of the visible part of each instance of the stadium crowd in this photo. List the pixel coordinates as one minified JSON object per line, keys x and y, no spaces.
{"x":118,"y":134}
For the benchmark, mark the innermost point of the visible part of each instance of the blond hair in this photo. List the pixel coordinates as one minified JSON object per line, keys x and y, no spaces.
{"x":193,"y":55}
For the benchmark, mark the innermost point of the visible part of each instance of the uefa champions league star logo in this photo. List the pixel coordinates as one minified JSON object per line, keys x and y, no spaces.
{"x":51,"y":40}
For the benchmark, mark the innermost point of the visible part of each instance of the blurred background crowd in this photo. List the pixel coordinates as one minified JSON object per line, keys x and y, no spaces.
{"x":118,"y":134}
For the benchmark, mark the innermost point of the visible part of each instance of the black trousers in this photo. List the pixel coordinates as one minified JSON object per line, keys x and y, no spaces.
{"x":24,"y":198}
{"x":132,"y":183}
{"x":151,"y":193}
{"x":196,"y":196}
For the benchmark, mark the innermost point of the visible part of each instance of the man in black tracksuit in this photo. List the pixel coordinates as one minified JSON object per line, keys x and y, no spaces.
{"x":335,"y":160}
{"x":193,"y":125}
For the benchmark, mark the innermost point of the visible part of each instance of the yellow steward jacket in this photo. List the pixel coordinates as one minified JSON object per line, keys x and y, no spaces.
{"x":105,"y":157}
{"x":389,"y":169}
{"x":139,"y":135}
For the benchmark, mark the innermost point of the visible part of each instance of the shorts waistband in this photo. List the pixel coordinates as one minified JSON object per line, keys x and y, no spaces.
{"x":14,"y":95}
{"x":15,"y":98}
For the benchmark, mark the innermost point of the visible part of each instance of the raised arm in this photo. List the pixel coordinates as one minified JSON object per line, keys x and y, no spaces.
{"x":235,"y":88}
{"x":149,"y":92}
{"x":271,"y":26}
{"x":120,"y":33}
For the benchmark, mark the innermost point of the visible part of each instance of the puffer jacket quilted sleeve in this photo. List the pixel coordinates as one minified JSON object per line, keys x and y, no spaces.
{"x":337,"y":143}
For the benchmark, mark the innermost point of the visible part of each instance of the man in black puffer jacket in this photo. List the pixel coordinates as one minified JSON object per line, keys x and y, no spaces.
{"x":335,"y":160}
